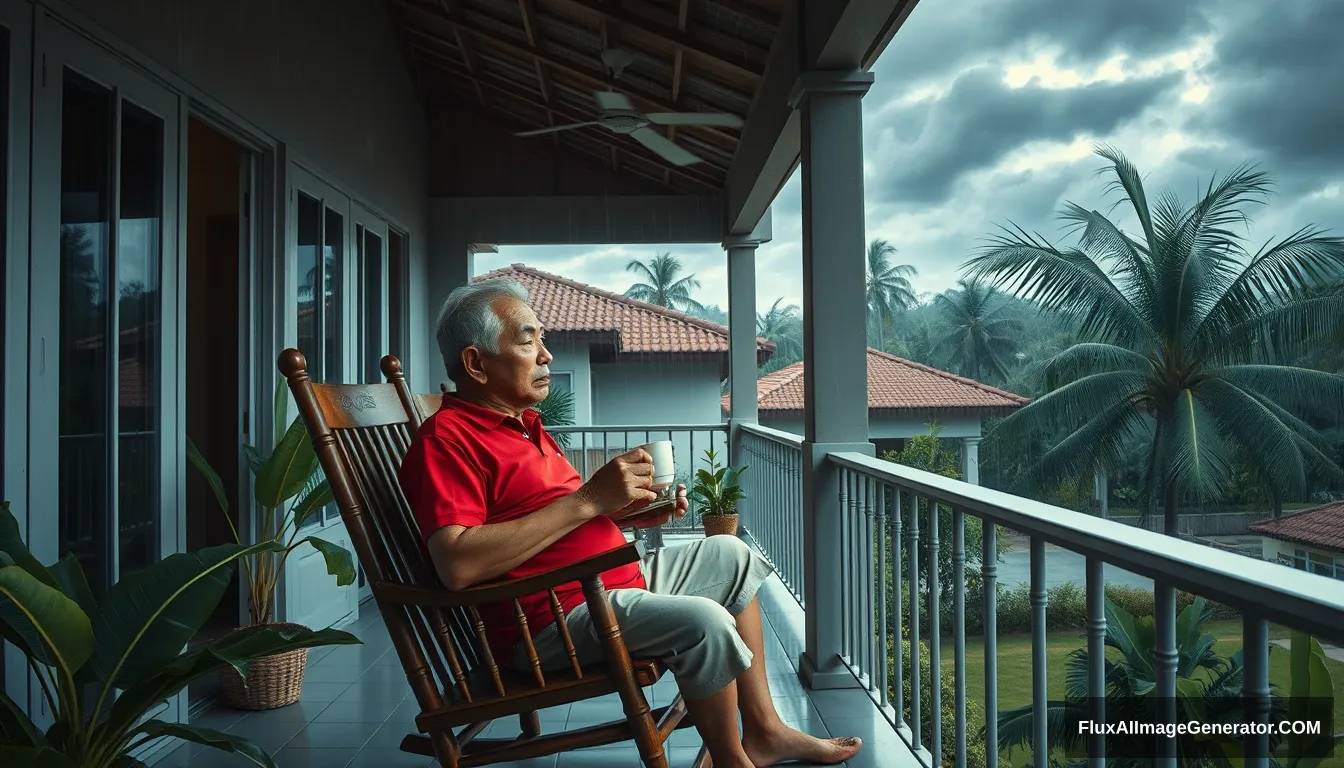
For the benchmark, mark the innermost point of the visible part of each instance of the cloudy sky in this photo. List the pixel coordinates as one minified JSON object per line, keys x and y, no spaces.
{"x":985,"y":112}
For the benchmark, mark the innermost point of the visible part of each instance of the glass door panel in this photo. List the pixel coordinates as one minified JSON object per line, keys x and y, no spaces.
{"x":103,"y":414}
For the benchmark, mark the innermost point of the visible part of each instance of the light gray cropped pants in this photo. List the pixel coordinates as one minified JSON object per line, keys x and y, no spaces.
{"x":686,"y":617}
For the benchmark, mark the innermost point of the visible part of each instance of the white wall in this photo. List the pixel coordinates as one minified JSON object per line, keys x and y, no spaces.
{"x":572,"y":358}
{"x":884,"y":427}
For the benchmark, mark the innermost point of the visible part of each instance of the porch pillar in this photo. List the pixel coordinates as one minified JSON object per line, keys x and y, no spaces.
{"x":450,"y":264}
{"x":970,"y":460}
{"x":1102,"y":493}
{"x":835,"y":385}
{"x":742,"y":343}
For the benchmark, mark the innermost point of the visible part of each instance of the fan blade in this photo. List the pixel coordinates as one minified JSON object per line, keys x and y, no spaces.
{"x":695,"y":118}
{"x":661,"y":146}
{"x":555,"y":129}
{"x":610,"y":100}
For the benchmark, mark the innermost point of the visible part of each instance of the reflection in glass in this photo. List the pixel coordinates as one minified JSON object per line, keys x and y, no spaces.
{"x":396,"y":278}
{"x":85,"y":511}
{"x":309,"y":222}
{"x":371,"y":313}
{"x":334,"y":257}
{"x":138,"y":374}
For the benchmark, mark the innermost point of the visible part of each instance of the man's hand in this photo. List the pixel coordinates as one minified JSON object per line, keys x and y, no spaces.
{"x":621,"y":484}
{"x":660,"y":516}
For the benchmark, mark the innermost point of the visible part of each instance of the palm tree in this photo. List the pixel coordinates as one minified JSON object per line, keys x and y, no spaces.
{"x":888,"y":290}
{"x":1188,"y":335}
{"x":662,"y":285}
{"x":980,"y":340}
{"x":784,"y":327}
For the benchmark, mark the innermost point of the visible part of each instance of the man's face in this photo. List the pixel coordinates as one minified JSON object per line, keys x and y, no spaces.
{"x":518,"y":376}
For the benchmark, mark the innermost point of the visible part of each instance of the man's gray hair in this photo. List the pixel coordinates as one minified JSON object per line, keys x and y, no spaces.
{"x":468,"y":319}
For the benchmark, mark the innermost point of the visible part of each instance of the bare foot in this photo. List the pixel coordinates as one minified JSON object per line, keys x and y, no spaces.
{"x":789,"y":744}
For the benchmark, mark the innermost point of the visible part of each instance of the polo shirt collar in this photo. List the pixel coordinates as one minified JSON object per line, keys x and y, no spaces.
{"x":486,"y":418}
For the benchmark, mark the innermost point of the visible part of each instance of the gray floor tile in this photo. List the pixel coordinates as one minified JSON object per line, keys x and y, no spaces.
{"x":298,"y":712}
{"x":270,"y":735}
{"x":388,"y":758}
{"x":847,"y":702}
{"x":327,"y":692}
{"x":389,"y":692}
{"x":882,"y":748}
{"x":333,"y":736}
{"x":331,"y":673}
{"x":390,"y":734}
{"x":314,"y":758}
{"x":354,"y":712}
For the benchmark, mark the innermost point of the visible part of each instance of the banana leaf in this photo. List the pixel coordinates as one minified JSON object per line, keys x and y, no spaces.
{"x":285,"y":474}
{"x":42,"y":622}
{"x":225,"y":742}
{"x":12,"y":544}
{"x":34,"y":757}
{"x":151,"y":614}
{"x":69,"y":577}
{"x":339,"y":562}
{"x":16,"y":727}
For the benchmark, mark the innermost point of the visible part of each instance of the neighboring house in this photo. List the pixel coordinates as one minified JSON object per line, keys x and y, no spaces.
{"x":1309,"y":540}
{"x":903,"y":398}
{"x":629,"y":363}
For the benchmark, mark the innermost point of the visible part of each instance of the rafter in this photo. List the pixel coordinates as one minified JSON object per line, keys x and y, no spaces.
{"x":612,"y":141}
{"x":454,"y":20}
{"x":675,"y":37}
{"x":683,"y":16}
{"x":450,"y":7}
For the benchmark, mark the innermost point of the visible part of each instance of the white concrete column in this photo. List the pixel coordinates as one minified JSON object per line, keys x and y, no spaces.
{"x":835,"y":387}
{"x":1102,"y":492}
{"x":741,"y":347}
{"x":970,"y":460}
{"x":450,"y":262}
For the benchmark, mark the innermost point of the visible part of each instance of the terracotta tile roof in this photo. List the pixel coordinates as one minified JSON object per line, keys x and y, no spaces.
{"x":893,"y":384}
{"x":1321,"y":526}
{"x":568,"y":305}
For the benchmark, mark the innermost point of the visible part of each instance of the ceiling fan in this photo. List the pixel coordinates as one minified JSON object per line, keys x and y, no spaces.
{"x":619,"y":116}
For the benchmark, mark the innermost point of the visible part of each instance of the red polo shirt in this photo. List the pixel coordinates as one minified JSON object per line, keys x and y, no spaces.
{"x":470,"y":466}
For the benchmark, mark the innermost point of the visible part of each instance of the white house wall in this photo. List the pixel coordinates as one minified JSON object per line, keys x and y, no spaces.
{"x":572,"y":358}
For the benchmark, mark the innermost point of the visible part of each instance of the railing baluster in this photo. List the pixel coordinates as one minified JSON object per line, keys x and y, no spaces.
{"x":1040,"y":726}
{"x":935,"y":638}
{"x":845,"y":573}
{"x":1096,"y":660}
{"x":959,"y":629}
{"x":1165,"y":656}
{"x":898,"y":663}
{"x":912,"y":561}
{"x":1255,"y":687}
{"x":989,"y":571}
{"x":870,"y":660}
{"x":882,"y":645}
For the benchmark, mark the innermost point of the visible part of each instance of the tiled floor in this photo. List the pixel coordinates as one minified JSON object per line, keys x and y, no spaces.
{"x":356,"y":707}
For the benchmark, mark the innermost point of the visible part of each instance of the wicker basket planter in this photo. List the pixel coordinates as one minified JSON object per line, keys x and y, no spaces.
{"x":720,"y":525}
{"x":272,"y":682}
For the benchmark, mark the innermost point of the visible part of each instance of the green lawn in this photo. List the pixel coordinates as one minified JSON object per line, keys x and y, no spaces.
{"x":1014,"y":669}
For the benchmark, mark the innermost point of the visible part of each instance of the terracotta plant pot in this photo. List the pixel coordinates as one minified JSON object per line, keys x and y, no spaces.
{"x":720,"y":525}
{"x":272,"y":682}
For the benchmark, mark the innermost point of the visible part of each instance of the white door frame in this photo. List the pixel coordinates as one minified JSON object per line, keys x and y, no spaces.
{"x":60,"y":47}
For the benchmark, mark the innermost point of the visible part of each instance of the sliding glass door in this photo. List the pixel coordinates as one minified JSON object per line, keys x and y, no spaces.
{"x":105,"y":440}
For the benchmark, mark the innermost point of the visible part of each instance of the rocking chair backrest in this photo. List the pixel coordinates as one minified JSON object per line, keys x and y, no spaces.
{"x":361,"y":433}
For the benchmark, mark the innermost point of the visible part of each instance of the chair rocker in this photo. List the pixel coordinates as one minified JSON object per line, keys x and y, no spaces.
{"x":360,"y":433}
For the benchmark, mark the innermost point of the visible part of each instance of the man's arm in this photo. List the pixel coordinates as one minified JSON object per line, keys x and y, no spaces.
{"x":468,"y":556}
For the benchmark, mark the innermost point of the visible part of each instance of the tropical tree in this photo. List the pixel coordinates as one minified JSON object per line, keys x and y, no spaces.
{"x":981,"y":339}
{"x":1188,"y":338}
{"x":663,"y":284}
{"x":888,"y":290}
{"x":784,"y":327}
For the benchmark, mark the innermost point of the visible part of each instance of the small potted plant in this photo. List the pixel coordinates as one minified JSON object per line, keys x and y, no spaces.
{"x":716,"y":492}
{"x":289,"y":489}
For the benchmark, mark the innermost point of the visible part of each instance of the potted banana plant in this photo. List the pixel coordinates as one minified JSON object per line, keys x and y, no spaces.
{"x":289,"y":491}
{"x":105,"y":662}
{"x":716,"y":492}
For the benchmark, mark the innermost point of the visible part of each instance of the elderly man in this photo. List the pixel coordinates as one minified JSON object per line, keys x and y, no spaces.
{"x":496,"y":498}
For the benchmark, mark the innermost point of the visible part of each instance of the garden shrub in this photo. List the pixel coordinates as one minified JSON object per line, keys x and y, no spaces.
{"x":975,"y":710}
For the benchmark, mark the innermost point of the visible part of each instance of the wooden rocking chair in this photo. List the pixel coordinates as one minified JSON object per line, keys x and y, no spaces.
{"x":360,"y":433}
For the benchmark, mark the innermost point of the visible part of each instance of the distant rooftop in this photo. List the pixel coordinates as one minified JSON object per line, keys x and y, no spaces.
{"x":894,"y":384}
{"x":1321,"y":526}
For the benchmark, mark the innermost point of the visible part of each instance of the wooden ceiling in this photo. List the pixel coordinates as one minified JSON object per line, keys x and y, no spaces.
{"x":536,"y":63}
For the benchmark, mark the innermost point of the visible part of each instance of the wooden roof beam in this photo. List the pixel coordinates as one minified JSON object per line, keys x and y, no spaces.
{"x":528,"y":8}
{"x":676,"y":37}
{"x":683,"y":16}
{"x":450,"y":6}
{"x":455,"y":20}
{"x":621,"y":143}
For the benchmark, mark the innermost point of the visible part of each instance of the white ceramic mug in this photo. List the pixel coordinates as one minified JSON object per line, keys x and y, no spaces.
{"x":664,"y":468}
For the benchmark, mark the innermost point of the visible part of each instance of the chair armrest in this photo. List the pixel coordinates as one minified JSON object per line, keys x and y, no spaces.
{"x":407,"y":594}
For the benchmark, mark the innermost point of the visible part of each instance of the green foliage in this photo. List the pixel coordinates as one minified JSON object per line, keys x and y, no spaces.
{"x":784,"y":327}
{"x":1187,"y":344}
{"x":557,"y":410}
{"x":289,"y":489}
{"x":887,"y":290}
{"x":981,"y":340}
{"x":715,"y":490}
{"x":1208,"y":688}
{"x":104,"y":662}
{"x":663,"y":285}
{"x":975,"y":710}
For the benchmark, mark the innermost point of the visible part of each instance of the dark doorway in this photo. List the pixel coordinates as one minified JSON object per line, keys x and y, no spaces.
{"x":218,"y":171}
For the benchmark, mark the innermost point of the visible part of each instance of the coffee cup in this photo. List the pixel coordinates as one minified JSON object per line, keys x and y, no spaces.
{"x":664,"y":468}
